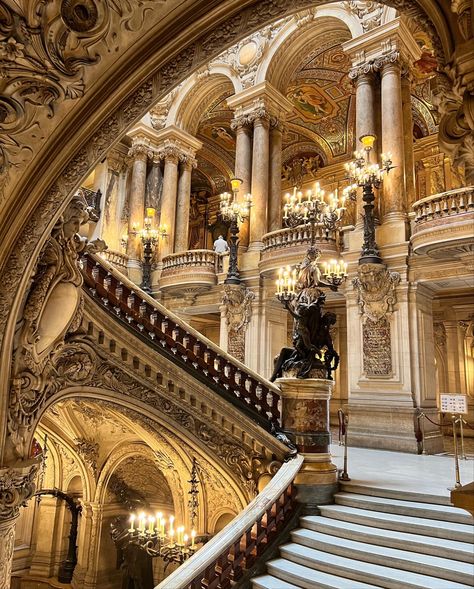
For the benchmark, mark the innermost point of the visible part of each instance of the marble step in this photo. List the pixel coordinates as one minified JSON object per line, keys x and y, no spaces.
{"x":403,"y":507}
{"x":461,"y":551}
{"x":353,"y":487}
{"x":364,"y":572}
{"x":307,"y":578}
{"x":443,"y":568}
{"x":270,"y":582}
{"x":401,"y":523}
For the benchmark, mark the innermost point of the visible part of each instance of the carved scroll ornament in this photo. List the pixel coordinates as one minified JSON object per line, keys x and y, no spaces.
{"x":376,"y":290}
{"x":53,"y":308}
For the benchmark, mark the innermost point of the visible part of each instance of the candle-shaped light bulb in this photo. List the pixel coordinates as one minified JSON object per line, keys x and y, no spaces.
{"x":132,"y":523}
{"x":151,"y":526}
{"x":193,"y":537}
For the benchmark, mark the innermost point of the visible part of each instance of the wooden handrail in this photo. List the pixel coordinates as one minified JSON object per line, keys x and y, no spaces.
{"x":182,"y":344}
{"x":232,"y":551}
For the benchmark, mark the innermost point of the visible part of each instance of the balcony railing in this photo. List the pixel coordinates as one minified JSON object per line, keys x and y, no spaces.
{"x":444,"y":219}
{"x":180,"y":343}
{"x":117,"y":259}
{"x":191,"y":269}
{"x":288,"y":246}
{"x":230,"y":554}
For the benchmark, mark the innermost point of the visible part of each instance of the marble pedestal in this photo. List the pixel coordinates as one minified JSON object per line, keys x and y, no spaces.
{"x":305,"y":420}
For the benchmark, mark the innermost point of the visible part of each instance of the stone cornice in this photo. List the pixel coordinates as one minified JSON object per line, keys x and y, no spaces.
{"x":376,"y":45}
{"x":262,"y":96}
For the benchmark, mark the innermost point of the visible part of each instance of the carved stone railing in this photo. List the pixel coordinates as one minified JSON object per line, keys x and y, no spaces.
{"x":180,"y":343}
{"x":193,"y":269}
{"x":224,"y":560}
{"x":443,"y":220}
{"x":288,"y":246}
{"x":117,"y":259}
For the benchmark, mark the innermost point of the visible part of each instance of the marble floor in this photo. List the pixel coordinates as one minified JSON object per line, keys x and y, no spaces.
{"x":433,"y":475}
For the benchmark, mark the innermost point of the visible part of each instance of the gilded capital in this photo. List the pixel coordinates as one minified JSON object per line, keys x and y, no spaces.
{"x":139,"y":152}
{"x":243,"y":122}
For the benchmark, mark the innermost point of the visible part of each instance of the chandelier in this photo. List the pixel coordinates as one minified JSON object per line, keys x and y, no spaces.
{"x":235,"y":213}
{"x":157,"y":534}
{"x":314,"y":207}
{"x":366,"y":175}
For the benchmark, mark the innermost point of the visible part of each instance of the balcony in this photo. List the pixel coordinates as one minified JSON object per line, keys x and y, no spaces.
{"x":188,"y":272}
{"x":117,"y":259}
{"x":288,"y":246}
{"x":444,"y":224}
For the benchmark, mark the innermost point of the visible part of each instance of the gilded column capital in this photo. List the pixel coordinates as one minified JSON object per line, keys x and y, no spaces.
{"x":169,"y":153}
{"x":260,"y":116}
{"x":17,"y":485}
{"x":277,"y":124}
{"x":241,"y":123}
{"x":140,"y":152}
{"x":188,"y":161}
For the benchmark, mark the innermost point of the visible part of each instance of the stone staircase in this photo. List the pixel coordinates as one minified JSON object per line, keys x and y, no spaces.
{"x":392,"y":539}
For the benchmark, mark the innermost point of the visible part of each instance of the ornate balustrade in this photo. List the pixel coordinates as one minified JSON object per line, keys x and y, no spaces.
{"x":193,"y":269}
{"x":183,"y":345}
{"x":224,"y":560}
{"x":444,"y":220}
{"x":288,"y":246}
{"x":117,"y":259}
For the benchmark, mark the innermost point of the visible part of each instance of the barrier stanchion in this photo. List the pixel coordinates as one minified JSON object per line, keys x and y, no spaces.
{"x":456,"y":456}
{"x":343,"y":422}
{"x":461,"y":432}
{"x":421,"y":422}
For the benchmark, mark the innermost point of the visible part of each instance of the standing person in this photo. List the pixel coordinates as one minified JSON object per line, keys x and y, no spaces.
{"x":220,"y":245}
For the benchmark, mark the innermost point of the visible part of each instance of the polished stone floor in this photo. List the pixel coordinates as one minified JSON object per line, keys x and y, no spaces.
{"x":433,"y":475}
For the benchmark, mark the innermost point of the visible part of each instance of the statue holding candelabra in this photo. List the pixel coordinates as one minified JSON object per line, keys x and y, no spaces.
{"x":300,"y":290}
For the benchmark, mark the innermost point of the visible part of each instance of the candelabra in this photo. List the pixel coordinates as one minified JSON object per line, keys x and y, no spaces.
{"x":159,"y":538}
{"x":149,"y":238}
{"x":315,"y":208}
{"x":363,"y":174}
{"x":235,"y":213}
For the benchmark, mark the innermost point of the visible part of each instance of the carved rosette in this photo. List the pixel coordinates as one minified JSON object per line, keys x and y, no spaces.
{"x":237,"y":306}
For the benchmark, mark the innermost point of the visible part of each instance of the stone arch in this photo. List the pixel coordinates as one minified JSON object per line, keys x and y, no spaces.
{"x":40,"y":196}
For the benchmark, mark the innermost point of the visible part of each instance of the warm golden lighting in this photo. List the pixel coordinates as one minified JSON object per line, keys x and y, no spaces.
{"x":150,"y":212}
{"x":235,"y":183}
{"x":367,"y":141}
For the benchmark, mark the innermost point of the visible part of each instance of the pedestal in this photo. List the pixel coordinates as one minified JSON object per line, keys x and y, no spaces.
{"x":305,"y":420}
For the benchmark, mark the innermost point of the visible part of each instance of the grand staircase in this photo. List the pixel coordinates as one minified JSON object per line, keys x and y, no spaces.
{"x":391,"y":539}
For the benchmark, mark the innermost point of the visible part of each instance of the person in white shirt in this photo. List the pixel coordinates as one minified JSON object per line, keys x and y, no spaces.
{"x":221,"y":245}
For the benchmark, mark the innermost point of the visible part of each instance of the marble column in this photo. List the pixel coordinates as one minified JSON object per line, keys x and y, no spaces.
{"x":16,"y":487}
{"x":260,"y":167}
{"x":243,"y":166}
{"x":365,"y":120}
{"x":184,"y":203}
{"x":274,"y":196}
{"x":454,"y":364}
{"x":139,"y":153}
{"x":392,"y":140}
{"x":168,"y":201}
{"x":408,"y":139}
{"x":154,"y":185}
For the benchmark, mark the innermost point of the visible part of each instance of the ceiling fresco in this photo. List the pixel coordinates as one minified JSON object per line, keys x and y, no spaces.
{"x":323,"y":99}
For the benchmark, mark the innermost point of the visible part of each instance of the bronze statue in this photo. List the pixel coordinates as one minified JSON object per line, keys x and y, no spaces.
{"x":313,"y":349}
